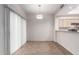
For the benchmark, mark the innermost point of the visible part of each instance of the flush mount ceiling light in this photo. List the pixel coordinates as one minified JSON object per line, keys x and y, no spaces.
{"x":39,"y":16}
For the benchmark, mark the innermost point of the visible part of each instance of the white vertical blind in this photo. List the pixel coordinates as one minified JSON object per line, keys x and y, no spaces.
{"x":17,"y":32}
{"x":23,"y":31}
{"x":13,"y":32}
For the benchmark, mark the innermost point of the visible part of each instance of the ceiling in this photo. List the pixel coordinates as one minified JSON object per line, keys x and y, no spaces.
{"x":44,"y":8}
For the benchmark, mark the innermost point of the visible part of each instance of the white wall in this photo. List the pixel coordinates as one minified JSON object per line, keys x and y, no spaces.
{"x":40,"y":30}
{"x":2,"y":35}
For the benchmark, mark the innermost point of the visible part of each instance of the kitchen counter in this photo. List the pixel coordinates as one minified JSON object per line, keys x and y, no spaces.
{"x":66,"y":31}
{"x":69,"y":40}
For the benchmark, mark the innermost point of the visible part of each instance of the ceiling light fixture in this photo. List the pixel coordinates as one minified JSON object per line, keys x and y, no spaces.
{"x":39,"y":15}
